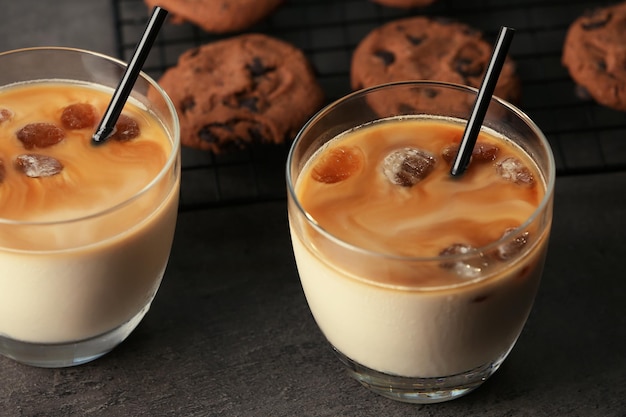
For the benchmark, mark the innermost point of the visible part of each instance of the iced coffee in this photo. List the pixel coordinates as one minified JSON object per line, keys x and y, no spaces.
{"x":418,"y":279}
{"x":85,"y":230}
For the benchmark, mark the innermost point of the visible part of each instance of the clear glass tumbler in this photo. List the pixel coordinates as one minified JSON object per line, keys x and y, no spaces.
{"x":396,"y":329}
{"x":73,"y":288}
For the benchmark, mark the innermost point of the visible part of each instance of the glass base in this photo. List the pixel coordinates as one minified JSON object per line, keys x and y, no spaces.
{"x":58,"y":355}
{"x":419,"y":390}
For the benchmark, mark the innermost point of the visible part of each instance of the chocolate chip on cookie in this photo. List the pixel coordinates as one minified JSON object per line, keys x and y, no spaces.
{"x":595,"y":56}
{"x":247,"y":89}
{"x":218,"y":16}
{"x":421,"y":48}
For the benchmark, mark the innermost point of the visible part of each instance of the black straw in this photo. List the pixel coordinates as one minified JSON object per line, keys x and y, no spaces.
{"x":107,"y":124}
{"x":488,"y":85}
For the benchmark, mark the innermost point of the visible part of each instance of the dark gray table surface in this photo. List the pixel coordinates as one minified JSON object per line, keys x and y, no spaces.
{"x":230,"y":334}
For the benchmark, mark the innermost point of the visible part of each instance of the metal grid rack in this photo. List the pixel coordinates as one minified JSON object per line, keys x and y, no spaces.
{"x":585,"y":137}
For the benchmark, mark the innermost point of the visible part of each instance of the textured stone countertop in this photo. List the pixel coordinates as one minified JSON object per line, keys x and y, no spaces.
{"x":230,"y":334}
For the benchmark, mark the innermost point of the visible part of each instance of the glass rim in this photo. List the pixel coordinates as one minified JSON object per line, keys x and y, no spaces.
{"x":550,"y":178}
{"x":175,"y":138}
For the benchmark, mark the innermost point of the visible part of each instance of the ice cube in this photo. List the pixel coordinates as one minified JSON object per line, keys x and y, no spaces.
{"x":408,"y":166}
{"x":5,"y":115}
{"x":514,"y":246}
{"x":337,"y":164}
{"x":40,"y":135}
{"x":469,"y":267}
{"x":78,"y":116}
{"x":37,"y":165}
{"x":512,"y":169}
{"x":482,"y":152}
{"x":126,"y":128}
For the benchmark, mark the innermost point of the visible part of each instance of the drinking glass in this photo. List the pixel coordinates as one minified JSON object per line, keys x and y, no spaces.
{"x":415,"y":342}
{"x":73,"y":289}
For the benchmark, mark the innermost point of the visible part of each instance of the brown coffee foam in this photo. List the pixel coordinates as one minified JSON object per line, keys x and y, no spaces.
{"x":371,"y":213}
{"x":93,"y":178}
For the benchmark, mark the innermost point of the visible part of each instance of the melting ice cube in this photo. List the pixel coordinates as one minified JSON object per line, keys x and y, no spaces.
{"x":408,"y":166}
{"x":36,"y":165}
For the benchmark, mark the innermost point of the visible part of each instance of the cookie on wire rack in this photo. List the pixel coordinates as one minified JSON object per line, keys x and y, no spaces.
{"x":594,"y":52}
{"x":239,"y":91}
{"x":218,"y":16}
{"x":423,"y":48}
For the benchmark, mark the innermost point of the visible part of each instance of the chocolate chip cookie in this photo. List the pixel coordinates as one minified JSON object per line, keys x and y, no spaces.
{"x":251,"y":88}
{"x":594,"y":53}
{"x":404,"y":4}
{"x":421,"y":48}
{"x":218,"y":16}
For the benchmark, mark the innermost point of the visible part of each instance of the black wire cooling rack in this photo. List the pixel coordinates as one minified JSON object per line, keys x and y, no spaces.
{"x":585,"y":137}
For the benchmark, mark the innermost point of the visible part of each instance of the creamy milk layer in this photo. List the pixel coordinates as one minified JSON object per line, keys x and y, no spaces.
{"x":417,"y":333}
{"x":64,"y":280}
{"x":421,"y":318}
